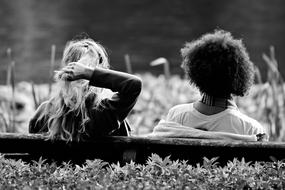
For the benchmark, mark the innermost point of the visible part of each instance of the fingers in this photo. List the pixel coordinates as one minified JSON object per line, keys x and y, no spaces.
{"x":71,"y":71}
{"x":74,"y":64}
{"x":71,"y":64}
{"x":66,"y":73}
{"x":69,"y":77}
{"x":68,"y":70}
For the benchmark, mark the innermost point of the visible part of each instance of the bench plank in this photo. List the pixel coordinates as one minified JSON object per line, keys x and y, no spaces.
{"x":123,"y":149}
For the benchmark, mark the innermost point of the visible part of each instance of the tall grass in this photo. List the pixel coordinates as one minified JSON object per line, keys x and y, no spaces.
{"x":35,"y":96}
{"x":272,"y":98}
{"x":128,"y":64}
{"x":166,"y":67}
{"x":161,"y":93}
{"x":52,"y":64}
{"x":8,"y":106}
{"x":8,"y":109}
{"x":11,"y":82}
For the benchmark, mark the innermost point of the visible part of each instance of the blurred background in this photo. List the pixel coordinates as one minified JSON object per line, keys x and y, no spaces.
{"x":144,"y":30}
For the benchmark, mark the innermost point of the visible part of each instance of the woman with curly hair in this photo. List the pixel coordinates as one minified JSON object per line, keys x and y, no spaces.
{"x":80,"y":109}
{"x":219,"y":66}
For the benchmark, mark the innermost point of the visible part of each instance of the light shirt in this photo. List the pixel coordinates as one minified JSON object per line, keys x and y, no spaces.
{"x":230,"y":120}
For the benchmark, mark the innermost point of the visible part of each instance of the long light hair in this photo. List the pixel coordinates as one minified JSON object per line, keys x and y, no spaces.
{"x":67,"y":110}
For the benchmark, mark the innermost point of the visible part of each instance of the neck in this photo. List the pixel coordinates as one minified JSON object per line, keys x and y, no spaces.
{"x":216,"y":101}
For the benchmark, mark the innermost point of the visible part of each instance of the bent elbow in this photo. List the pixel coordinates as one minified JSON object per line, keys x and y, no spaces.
{"x":137,"y":84}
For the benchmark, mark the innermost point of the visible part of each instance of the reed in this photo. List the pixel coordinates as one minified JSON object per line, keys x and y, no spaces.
{"x":272,"y":98}
{"x":166,"y":68}
{"x":11,"y":82}
{"x":4,"y":124}
{"x":35,"y":97}
{"x":128,"y":63}
{"x":258,"y":75}
{"x":51,"y":72}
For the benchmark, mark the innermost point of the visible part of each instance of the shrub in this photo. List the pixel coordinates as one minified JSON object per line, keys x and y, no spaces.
{"x":157,"y":173}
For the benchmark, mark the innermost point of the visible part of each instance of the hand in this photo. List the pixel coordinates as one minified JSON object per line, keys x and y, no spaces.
{"x":76,"y":70}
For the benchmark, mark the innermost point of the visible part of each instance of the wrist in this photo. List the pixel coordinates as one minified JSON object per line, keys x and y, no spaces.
{"x":88,"y":73}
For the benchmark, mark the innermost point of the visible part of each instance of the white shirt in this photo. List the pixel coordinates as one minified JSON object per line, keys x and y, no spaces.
{"x":230,"y":120}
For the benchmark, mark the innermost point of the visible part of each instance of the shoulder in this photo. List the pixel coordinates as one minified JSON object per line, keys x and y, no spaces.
{"x":178,"y":111}
{"x":253,"y":125}
{"x":181,"y":108}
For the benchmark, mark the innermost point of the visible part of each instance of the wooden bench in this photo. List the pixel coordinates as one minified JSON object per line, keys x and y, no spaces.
{"x":138,"y":149}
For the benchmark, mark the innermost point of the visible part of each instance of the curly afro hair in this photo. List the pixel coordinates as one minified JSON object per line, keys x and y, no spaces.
{"x":218,"y":64}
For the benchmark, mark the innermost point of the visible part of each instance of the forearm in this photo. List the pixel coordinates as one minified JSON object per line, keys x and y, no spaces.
{"x":128,"y":88}
{"x":116,"y":81}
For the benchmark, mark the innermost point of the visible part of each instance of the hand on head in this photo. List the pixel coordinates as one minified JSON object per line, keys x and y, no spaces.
{"x":75,"y":71}
{"x":81,"y":69}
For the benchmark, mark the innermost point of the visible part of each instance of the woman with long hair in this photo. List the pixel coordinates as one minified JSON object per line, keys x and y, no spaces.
{"x":79,"y":109}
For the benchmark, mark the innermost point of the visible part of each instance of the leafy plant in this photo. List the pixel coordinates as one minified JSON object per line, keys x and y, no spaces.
{"x":157,"y":173}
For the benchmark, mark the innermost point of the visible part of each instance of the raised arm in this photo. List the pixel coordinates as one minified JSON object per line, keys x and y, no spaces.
{"x":126,"y":86}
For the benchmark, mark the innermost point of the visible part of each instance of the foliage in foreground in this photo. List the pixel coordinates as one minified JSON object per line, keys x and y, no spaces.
{"x":157,"y":173}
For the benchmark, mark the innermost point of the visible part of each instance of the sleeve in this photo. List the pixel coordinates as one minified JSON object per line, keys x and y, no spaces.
{"x":35,"y":125}
{"x":261,"y":133}
{"x":173,"y":116}
{"x":126,"y":86}
{"x":259,"y":129}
